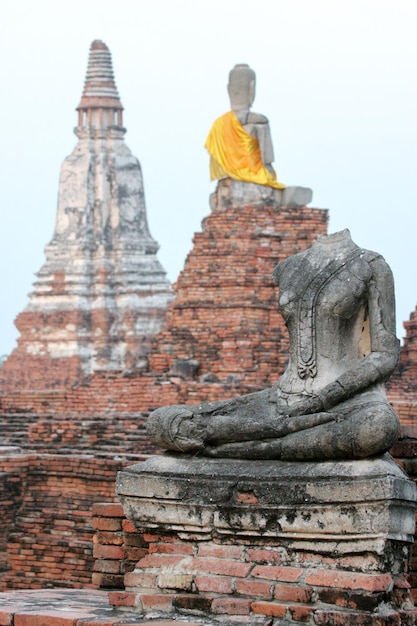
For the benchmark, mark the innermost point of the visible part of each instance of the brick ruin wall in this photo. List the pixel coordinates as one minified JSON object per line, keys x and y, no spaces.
{"x":46,"y":535}
{"x":236,"y":577}
{"x":30,"y":366}
{"x":224,"y":321}
{"x":74,"y":440}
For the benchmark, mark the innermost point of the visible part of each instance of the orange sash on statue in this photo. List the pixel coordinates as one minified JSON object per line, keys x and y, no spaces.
{"x":235,"y":153}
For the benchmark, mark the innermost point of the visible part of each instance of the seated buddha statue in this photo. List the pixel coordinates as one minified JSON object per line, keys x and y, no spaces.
{"x":239,"y":141}
{"x":337,"y":300}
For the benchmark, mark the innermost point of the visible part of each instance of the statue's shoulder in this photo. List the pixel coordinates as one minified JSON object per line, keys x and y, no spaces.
{"x":377,"y":263}
{"x":256,"y":118}
{"x":371,"y":257}
{"x":289,"y":267}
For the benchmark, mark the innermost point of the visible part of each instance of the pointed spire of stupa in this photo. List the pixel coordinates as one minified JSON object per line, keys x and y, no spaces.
{"x":100,"y":104}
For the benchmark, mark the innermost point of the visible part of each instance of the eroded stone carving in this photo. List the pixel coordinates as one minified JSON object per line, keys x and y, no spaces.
{"x":337,"y":300}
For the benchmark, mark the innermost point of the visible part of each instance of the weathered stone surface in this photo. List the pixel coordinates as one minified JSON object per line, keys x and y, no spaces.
{"x":231,"y":192}
{"x":344,"y":502}
{"x":241,"y":89}
{"x":296,"y":196}
{"x":272,"y":538}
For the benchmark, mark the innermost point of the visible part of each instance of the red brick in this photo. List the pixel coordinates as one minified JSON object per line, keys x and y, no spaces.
{"x":172,"y":580}
{"x":224,"y":567}
{"x":106,"y":537}
{"x":109,"y":567}
{"x":292,"y":593}
{"x":104,"y":523}
{"x":257,"y":555}
{"x":135,"y":539}
{"x":106,"y":509}
{"x":171,"y":548}
{"x":140,"y":580}
{"x":156,"y":602}
{"x":106,"y":581}
{"x":401,"y":582}
{"x":230,"y":606}
{"x":134,"y":554}
{"x":254,"y":588}
{"x":349,"y":580}
{"x":300,"y":613}
{"x":359,"y":600}
{"x":128,"y":526}
{"x":6,"y":617}
{"x":246,"y":498}
{"x":272,"y":609}
{"x":160,"y":560}
{"x":278,"y":573}
{"x":216,"y":584}
{"x":108,"y":552}
{"x":122,"y":598}
{"x":193,"y":602}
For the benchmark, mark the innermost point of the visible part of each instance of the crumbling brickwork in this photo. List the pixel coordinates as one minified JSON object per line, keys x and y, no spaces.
{"x":250,"y":579}
{"x":235,"y":343}
{"x":224,"y":324}
{"x":48,"y":532}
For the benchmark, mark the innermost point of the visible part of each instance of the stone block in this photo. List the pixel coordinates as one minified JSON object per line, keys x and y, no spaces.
{"x":296,"y":196}
{"x":273,"y":539}
{"x":343,"y":505}
{"x":231,"y":193}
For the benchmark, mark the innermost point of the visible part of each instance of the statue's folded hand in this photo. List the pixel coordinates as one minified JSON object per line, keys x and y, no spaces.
{"x":175,"y":428}
{"x":311,"y":404}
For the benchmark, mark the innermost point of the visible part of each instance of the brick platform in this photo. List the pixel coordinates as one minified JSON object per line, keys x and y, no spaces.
{"x":319,"y":543}
{"x":106,"y":413}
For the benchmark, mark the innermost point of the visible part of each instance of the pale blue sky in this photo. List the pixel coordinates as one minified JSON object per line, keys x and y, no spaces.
{"x":336,"y":79}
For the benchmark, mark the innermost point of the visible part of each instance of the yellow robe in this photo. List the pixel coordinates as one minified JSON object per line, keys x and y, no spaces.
{"x":235,"y":153}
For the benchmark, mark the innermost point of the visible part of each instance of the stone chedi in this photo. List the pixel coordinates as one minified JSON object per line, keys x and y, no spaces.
{"x":102,"y":292}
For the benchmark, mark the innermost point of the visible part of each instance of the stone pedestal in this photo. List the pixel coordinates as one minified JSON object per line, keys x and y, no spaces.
{"x":231,"y":192}
{"x":319,"y":543}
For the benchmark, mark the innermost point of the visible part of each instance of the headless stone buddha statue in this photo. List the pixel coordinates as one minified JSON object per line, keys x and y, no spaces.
{"x":239,"y":141}
{"x":337,"y":301}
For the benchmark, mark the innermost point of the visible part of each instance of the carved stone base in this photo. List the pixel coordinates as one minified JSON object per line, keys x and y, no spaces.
{"x":324,"y":541}
{"x":231,"y":192}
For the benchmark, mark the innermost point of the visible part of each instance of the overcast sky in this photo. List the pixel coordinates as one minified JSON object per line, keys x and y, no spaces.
{"x":337,"y":80}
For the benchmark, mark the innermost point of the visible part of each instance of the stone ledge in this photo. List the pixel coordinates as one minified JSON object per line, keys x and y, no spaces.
{"x":231,"y":192}
{"x":344,"y":505}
